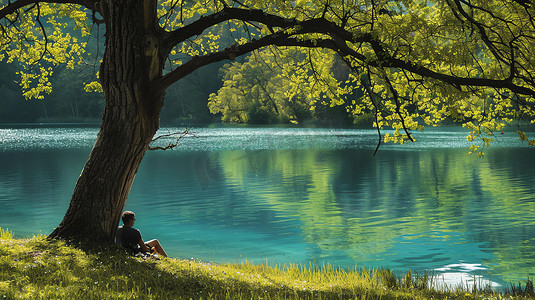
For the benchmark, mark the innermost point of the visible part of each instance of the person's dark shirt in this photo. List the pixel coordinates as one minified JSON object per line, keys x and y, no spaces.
{"x":128,"y":237}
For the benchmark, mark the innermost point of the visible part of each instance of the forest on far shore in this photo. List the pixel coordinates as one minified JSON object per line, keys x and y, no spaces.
{"x":69,"y":103}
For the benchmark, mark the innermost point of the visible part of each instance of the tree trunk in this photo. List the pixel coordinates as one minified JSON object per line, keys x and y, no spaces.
{"x":130,"y":120}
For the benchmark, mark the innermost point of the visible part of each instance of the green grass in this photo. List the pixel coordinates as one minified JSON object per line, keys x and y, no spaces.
{"x":37,"y":268}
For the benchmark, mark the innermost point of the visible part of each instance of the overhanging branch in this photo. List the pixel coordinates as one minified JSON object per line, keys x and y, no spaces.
{"x":14,"y":6}
{"x":38,"y":20}
{"x":385,"y":60}
{"x":278,"y":38}
{"x":228,"y":53}
{"x":316,"y":25}
{"x":338,"y":43}
{"x":228,"y":13}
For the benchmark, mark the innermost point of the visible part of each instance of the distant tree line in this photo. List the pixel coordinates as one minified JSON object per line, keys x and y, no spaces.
{"x":64,"y":104}
{"x":68,"y":103}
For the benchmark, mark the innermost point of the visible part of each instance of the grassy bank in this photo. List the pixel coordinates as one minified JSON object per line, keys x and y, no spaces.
{"x":37,"y":268}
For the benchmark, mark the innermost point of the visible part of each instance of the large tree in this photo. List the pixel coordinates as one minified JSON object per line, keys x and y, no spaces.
{"x":418,"y":62}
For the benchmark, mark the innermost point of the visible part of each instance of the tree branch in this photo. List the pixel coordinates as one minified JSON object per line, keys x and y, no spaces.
{"x":320,"y":26}
{"x":170,"y":145}
{"x":337,"y":42}
{"x":481,"y":29}
{"x":524,"y":3}
{"x":317,"y":25}
{"x":14,"y":6}
{"x":37,"y":18}
{"x":228,"y":13}
{"x":227,"y":53}
{"x":385,"y":60}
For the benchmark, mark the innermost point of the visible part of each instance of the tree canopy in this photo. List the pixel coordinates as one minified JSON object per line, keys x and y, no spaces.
{"x":272,"y":87}
{"x":416,"y":62}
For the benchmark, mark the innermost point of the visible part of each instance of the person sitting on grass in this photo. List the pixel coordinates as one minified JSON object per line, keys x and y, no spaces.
{"x":130,"y":238}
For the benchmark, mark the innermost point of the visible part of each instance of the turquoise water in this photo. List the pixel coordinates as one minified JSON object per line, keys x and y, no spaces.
{"x":303,"y":196}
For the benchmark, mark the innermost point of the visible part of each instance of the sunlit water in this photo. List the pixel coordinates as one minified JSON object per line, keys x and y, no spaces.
{"x":302,"y":196}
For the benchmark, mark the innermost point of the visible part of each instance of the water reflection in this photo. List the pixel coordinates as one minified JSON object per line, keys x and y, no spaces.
{"x":286,"y":197}
{"x":402,"y":209}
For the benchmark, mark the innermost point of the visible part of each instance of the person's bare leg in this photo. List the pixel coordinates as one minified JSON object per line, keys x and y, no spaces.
{"x":157,"y":247}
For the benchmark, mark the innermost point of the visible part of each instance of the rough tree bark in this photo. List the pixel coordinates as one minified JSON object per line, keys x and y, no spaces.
{"x":131,"y":62}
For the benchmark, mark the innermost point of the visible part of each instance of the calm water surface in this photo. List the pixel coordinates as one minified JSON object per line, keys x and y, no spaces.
{"x":303,"y":196}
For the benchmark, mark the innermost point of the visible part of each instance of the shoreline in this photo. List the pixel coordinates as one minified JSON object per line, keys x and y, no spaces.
{"x":50,"y":269}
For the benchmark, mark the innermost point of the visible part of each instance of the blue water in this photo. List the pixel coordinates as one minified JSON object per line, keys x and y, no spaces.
{"x":303,"y":196}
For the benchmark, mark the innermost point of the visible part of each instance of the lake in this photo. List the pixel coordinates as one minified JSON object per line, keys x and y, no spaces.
{"x":302,"y":196}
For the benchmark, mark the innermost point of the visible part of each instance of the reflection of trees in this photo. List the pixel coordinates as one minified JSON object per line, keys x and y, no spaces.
{"x":350,"y":202}
{"x":509,"y":224}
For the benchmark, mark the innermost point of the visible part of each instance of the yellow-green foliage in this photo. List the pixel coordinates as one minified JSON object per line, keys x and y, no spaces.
{"x":477,"y":39}
{"x":37,"y":268}
{"x":427,"y":33}
{"x":33,"y":45}
{"x":280,"y":78}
